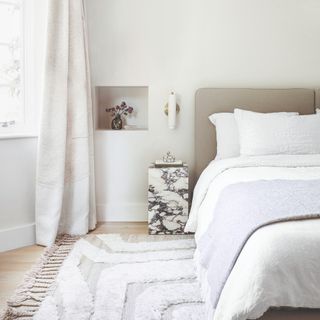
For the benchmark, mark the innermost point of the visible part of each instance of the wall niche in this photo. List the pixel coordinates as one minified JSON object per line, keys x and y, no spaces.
{"x":109,"y":96}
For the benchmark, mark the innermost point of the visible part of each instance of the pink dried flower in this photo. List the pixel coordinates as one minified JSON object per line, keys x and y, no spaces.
{"x":123,"y":109}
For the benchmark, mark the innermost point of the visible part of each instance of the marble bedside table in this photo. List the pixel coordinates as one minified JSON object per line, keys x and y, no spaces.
{"x":168,"y":199}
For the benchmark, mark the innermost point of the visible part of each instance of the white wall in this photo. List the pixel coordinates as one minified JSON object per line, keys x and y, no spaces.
{"x":17,"y":185}
{"x":183,"y":45}
{"x":17,"y":172}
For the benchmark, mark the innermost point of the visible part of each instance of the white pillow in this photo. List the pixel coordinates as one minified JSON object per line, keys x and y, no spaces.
{"x":318,"y":110}
{"x":227,"y":133}
{"x":265,"y":134}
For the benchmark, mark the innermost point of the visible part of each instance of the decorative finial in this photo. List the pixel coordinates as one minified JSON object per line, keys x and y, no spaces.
{"x":169,"y":158}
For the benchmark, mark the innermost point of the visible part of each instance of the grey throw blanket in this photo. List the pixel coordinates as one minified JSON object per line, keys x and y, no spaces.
{"x":243,"y":208}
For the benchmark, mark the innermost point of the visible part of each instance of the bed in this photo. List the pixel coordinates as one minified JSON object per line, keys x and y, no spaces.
{"x":286,"y":244}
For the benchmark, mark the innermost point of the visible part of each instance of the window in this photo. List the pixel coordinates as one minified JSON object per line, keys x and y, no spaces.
{"x":15,"y":112}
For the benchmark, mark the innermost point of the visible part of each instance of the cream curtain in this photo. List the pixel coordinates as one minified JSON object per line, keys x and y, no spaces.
{"x":65,"y":201}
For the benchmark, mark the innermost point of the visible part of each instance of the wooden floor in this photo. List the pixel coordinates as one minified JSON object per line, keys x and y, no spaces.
{"x":15,"y":263}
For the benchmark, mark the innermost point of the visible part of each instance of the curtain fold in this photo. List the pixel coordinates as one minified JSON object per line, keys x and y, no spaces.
{"x":65,"y":195}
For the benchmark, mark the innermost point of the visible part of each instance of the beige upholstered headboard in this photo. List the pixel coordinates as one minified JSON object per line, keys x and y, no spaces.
{"x":209,"y":100}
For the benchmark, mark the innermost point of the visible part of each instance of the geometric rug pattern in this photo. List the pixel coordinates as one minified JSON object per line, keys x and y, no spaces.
{"x":123,"y":277}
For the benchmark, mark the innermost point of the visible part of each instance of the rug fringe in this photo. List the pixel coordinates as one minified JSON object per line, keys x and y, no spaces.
{"x":37,"y":282}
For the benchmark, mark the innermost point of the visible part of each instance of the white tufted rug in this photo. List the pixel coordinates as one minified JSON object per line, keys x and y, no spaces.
{"x":113,"y":277}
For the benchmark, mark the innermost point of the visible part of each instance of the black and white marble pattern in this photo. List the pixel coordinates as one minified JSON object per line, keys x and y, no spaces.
{"x":168,"y":200}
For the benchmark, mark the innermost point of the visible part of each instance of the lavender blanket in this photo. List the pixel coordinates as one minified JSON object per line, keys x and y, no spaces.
{"x":243,"y":208}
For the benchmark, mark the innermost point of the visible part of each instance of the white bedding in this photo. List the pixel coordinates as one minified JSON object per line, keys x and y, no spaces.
{"x":280,"y":264}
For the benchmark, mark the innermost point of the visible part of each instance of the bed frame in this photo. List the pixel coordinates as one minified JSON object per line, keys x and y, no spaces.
{"x":211,"y":100}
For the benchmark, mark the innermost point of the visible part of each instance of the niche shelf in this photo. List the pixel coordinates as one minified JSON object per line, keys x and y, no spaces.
{"x":109,"y":96}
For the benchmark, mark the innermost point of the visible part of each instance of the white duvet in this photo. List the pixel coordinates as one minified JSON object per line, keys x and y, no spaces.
{"x":280,"y":263}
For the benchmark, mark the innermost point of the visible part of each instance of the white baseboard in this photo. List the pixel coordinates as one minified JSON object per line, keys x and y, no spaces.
{"x":122,"y":212}
{"x":17,"y":237}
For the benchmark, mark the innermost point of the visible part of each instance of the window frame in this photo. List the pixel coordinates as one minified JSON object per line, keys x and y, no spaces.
{"x":28,"y":128}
